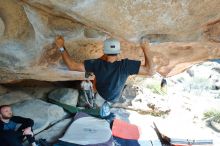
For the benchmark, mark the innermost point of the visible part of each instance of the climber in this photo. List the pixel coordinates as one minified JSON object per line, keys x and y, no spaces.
{"x":111,"y":73}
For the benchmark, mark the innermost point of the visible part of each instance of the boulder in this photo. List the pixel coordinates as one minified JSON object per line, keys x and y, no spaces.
{"x":181,"y":33}
{"x":14,"y":97}
{"x":65,"y":95}
{"x":44,"y":114}
{"x":3,"y":90}
{"x":2,"y":27}
{"x":55,"y":132}
{"x":199,"y":79}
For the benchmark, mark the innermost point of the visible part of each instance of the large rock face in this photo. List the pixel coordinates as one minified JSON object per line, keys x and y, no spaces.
{"x":182,"y":33}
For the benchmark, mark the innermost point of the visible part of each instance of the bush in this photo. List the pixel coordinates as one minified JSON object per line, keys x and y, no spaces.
{"x":215,"y":114}
{"x":156,"y":88}
{"x":216,"y":118}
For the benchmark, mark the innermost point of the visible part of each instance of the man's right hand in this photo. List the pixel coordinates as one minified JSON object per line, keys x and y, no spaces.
{"x":27,"y":131}
{"x":59,"y":41}
{"x":71,"y":64}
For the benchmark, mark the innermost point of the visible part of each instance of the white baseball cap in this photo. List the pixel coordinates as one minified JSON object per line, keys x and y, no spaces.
{"x":111,"y":46}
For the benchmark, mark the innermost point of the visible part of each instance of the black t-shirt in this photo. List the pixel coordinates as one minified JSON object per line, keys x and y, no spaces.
{"x":111,"y":77}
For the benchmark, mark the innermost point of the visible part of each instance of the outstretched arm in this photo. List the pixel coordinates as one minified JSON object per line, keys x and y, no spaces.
{"x":71,"y":64}
{"x":147,"y":68}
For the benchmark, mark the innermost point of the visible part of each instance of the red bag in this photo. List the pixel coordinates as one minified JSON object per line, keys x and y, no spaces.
{"x":125,"y":130}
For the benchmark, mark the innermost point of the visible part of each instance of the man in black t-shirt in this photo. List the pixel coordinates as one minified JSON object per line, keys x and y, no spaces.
{"x":13,"y":129}
{"x":110,"y":72}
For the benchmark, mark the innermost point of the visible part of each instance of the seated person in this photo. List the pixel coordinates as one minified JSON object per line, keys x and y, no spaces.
{"x":11,"y":134}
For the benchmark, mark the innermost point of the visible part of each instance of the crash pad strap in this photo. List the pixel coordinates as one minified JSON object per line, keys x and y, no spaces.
{"x":72,"y":109}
